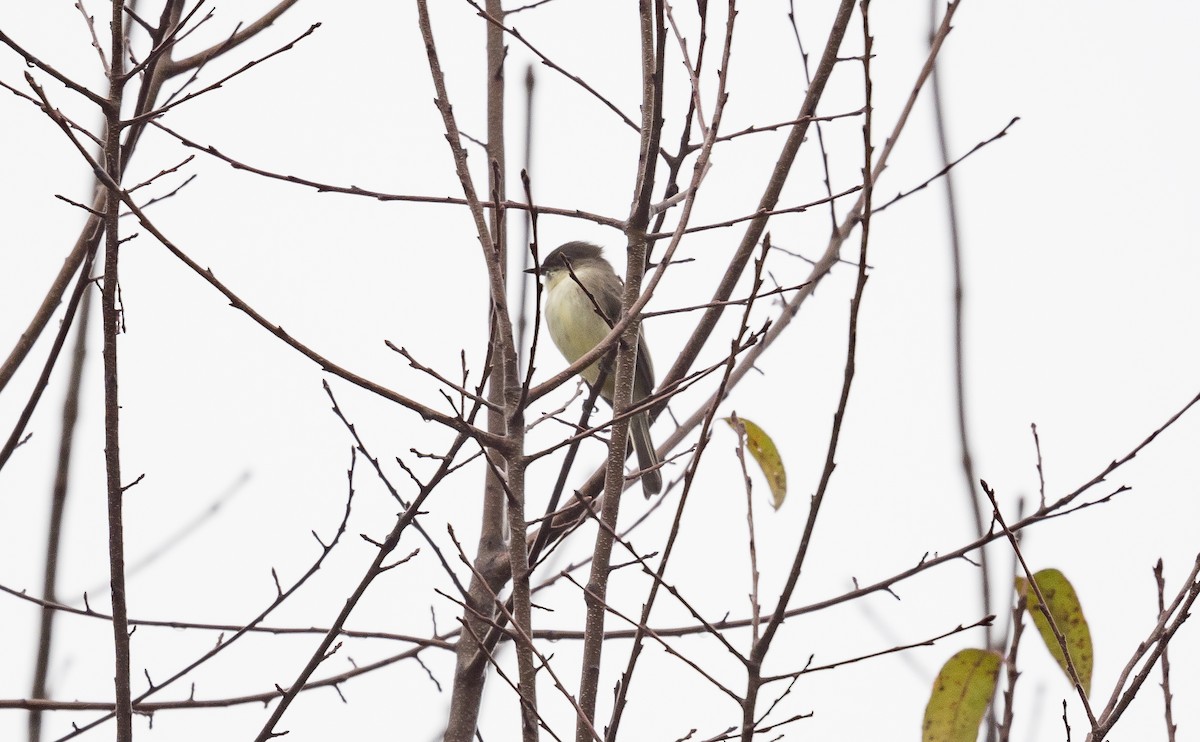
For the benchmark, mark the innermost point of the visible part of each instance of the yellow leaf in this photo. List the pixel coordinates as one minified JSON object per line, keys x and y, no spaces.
{"x":762,"y":448}
{"x":1064,"y":606}
{"x":960,"y":696}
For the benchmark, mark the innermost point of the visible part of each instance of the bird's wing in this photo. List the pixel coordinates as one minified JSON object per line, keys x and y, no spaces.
{"x":609,"y":300}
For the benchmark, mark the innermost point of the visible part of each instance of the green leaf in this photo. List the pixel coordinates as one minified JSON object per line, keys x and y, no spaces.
{"x":960,"y":696}
{"x":1064,"y":606}
{"x":762,"y":448}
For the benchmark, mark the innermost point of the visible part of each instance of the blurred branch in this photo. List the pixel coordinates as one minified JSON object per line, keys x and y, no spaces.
{"x":529,"y":232}
{"x":180,"y":535}
{"x":84,"y":246}
{"x":58,"y":501}
{"x":960,"y":374}
{"x":60,"y":338}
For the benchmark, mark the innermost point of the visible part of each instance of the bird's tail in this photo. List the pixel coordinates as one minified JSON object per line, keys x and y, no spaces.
{"x":639,"y":433}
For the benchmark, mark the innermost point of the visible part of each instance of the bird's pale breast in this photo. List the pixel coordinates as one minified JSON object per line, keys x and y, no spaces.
{"x":583,"y":330}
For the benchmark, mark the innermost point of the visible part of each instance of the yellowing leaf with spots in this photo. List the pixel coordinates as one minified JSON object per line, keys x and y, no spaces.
{"x":960,"y":696}
{"x":1064,"y":606}
{"x":762,"y":448}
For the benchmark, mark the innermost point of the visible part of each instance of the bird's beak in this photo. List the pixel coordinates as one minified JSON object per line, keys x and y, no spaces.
{"x":532,"y":271}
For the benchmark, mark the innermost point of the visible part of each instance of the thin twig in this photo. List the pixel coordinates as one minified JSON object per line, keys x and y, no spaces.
{"x":820,"y":130}
{"x":761,"y":214}
{"x":282,"y":594}
{"x":440,"y":641}
{"x":90,"y":22}
{"x":32,"y":60}
{"x":755,"y":608}
{"x":1043,"y":605}
{"x":373,"y":571}
{"x":808,"y":669}
{"x":496,"y":22}
{"x":1151,"y":648}
{"x":945,"y":171}
{"x":1010,"y":663}
{"x":353,"y":190}
{"x":1037,"y":446}
{"x":156,"y":112}
{"x":1160,"y":584}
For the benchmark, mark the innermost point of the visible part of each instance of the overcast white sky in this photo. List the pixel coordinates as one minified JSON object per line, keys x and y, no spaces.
{"x":1081,"y":271}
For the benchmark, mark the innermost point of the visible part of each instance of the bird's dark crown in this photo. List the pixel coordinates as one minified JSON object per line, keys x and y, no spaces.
{"x":573,"y":253}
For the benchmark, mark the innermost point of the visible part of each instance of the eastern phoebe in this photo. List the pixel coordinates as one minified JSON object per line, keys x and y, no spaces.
{"x":583,"y":302}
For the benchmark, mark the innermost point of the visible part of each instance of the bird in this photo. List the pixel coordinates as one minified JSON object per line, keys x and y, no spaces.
{"x":583,"y":302}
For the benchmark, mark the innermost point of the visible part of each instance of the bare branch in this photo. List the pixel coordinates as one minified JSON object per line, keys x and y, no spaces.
{"x":110,"y":325}
{"x":175,"y":67}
